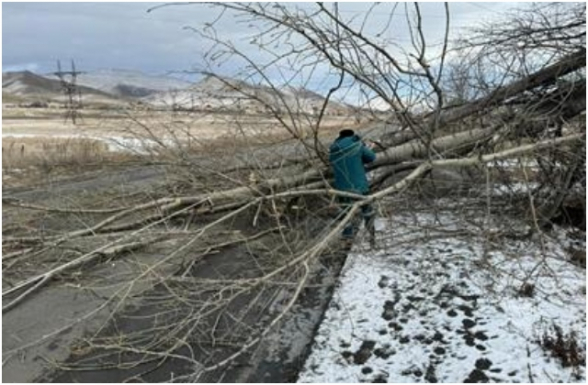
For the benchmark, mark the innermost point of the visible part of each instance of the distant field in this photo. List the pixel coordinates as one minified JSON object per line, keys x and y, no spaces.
{"x":106,"y":123}
{"x":24,"y":151}
{"x":37,"y":142}
{"x":10,"y":98}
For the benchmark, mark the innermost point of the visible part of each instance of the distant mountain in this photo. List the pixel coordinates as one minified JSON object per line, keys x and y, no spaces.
{"x":26,"y":82}
{"x":215,"y":93}
{"x":211,"y":93}
{"x":302,"y":93}
{"x":115,"y":86}
{"x":27,"y":85}
{"x":129,"y":83}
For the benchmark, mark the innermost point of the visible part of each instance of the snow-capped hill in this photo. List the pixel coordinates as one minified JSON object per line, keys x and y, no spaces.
{"x":299,"y":92}
{"x":377,"y":104}
{"x":211,"y":93}
{"x":216,"y":93}
{"x":212,"y":83}
{"x":129,"y":83}
{"x":132,"y":91}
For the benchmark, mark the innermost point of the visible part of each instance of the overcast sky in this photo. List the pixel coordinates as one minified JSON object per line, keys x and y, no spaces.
{"x":126,"y":36}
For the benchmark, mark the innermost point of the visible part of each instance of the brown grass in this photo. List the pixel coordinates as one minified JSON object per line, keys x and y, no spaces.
{"x":36,"y":151}
{"x":29,"y":160}
{"x":49,"y":151}
{"x":563,"y":346}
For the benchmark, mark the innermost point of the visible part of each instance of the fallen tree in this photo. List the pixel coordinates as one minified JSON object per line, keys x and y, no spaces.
{"x":285,"y":210}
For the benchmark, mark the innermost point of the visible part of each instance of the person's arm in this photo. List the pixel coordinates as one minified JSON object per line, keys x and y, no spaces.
{"x":367,"y":154}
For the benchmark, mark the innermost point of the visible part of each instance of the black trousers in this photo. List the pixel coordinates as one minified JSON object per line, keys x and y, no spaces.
{"x":367,"y":213}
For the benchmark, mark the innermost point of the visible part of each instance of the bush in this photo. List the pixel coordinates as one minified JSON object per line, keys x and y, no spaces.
{"x":564,"y":347}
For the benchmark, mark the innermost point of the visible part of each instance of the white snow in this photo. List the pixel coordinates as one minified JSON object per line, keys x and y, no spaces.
{"x":113,"y":143}
{"x":212,"y":93}
{"x":500,"y":189}
{"x":515,"y":163}
{"x":108,"y":79}
{"x":435,"y":304}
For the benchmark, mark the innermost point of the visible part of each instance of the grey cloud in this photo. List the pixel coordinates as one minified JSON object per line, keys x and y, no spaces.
{"x":98,"y":35}
{"x":124,"y":35}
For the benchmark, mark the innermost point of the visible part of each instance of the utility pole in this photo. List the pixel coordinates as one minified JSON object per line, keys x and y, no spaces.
{"x":72,"y":93}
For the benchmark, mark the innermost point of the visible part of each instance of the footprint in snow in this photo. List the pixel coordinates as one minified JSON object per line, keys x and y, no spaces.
{"x":467,"y":311}
{"x":468,"y":323}
{"x":483,"y":363}
{"x":384,"y":281}
{"x":364,"y":353}
{"x":477,"y":375}
{"x":439,"y":350}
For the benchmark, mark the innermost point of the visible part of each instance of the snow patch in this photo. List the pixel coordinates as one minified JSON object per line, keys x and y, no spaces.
{"x":113,"y":143}
{"x":448,"y":309}
{"x":515,"y":163}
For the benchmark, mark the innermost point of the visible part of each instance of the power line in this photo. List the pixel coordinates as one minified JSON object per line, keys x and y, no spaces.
{"x":72,"y":93}
{"x":402,"y":13}
{"x":483,"y":8}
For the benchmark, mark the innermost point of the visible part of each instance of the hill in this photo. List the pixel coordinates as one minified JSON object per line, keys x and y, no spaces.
{"x":25,"y":86}
{"x":212,"y":93}
{"x":129,"y":83}
{"x":216,"y":93}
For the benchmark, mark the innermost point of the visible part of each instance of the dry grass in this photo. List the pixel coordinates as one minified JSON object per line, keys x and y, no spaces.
{"x":29,"y":159}
{"x":22,"y":152}
{"x":45,"y":145}
{"x":564,"y":347}
{"x":104,"y":123}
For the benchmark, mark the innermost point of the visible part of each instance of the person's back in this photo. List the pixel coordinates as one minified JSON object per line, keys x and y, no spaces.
{"x":347,"y":156}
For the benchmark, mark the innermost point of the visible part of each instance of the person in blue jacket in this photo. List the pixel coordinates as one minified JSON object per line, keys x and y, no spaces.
{"x":348,"y":156}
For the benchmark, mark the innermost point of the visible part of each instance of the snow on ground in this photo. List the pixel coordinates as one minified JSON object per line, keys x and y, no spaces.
{"x":515,"y":163}
{"x":113,"y":143}
{"x":500,"y":189}
{"x":447,"y":309}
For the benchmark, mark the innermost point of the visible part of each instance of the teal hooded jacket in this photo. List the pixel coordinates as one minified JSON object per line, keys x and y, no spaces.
{"x":347,"y":156}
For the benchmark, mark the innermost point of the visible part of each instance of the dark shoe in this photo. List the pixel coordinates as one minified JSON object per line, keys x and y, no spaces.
{"x":347,"y":243}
